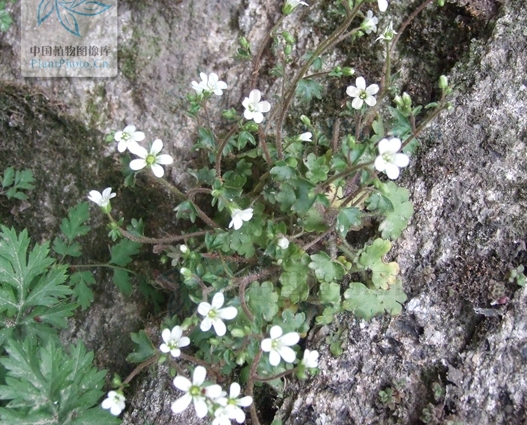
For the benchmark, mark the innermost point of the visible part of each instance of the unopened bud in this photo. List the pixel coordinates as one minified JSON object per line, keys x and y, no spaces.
{"x":443,"y":82}
{"x":305,"y":120}
{"x":347,"y":71}
{"x":288,"y":37}
{"x":440,"y":3}
{"x":288,"y":49}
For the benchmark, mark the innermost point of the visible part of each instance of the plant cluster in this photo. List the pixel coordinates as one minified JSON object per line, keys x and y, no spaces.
{"x":289,"y":225}
{"x":275,"y":213}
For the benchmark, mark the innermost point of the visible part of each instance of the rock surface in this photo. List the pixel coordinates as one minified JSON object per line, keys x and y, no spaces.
{"x":459,"y":350}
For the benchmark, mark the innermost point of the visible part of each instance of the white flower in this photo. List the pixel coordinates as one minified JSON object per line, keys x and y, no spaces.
{"x":209,"y":84}
{"x":221,"y":416}
{"x":231,"y":405}
{"x":114,"y":402}
{"x":127,"y":137}
{"x":184,"y":249}
{"x":362,"y":94}
{"x":102,"y":199}
{"x":214,"y":314}
{"x":195,"y":392}
{"x":279,"y":345}
{"x":388,"y":34}
{"x":383,"y":5}
{"x":291,"y":5}
{"x":254,"y":108}
{"x":173,"y":341}
{"x":370,"y":23}
{"x":239,"y":216}
{"x":283,"y":242}
{"x":150,"y":159}
{"x":389,"y":161}
{"x":305,"y":137}
{"x":310,"y":358}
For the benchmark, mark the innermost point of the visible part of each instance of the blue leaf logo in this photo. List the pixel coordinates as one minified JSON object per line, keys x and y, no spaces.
{"x":66,"y":12}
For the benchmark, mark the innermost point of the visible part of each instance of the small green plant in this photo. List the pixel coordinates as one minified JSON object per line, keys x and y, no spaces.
{"x":516,"y":275}
{"x":14,"y":182}
{"x":5,"y":18}
{"x":390,"y":397}
{"x":46,"y":385}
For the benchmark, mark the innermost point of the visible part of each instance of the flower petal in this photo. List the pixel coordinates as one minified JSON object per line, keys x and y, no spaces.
{"x":385,"y":146}
{"x":234,"y":390}
{"x":228,"y":313}
{"x":137,"y":164}
{"x":121,"y":147}
{"x":166,"y":335}
{"x":276,"y":332}
{"x":176,"y":332}
{"x":395,"y":144}
{"x":360,"y":82}
{"x":138,"y":150}
{"x":183,"y":341}
{"x":156,"y":147}
{"x":139,"y":136}
{"x":217,"y":300}
{"x":288,"y":354}
{"x":274,"y":358}
{"x":219,"y":327}
{"x":357,"y":103}
{"x":157,"y":170}
{"x":370,"y":101}
{"x":401,"y":160}
{"x":380,"y":164}
{"x":255,"y":96}
{"x":201,"y":407}
{"x":164,"y":159}
{"x":248,"y":115}
{"x":245,"y":401}
{"x":204,"y":308}
{"x":258,"y":117}
{"x":198,"y":377}
{"x":266,"y":344}
{"x":392,"y":171}
{"x":205,"y":324}
{"x":290,"y":338}
{"x":353,"y":91}
{"x":182,"y":383}
{"x":264,"y":106}
{"x":181,"y":403}
{"x":213,"y":391}
{"x":372,"y":89}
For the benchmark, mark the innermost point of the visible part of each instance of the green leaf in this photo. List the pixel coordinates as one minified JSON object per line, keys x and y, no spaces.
{"x":396,"y":220}
{"x":5,"y":22}
{"x":144,"y":348}
{"x":121,"y":279}
{"x":379,"y":202}
{"x":187,"y":211}
{"x":283,"y":172}
{"x":367,"y":303}
{"x":73,"y":226}
{"x":46,"y":385}
{"x":401,"y":126}
{"x":81,"y":292}
{"x":371,"y":258}
{"x":308,"y":89}
{"x":204,"y":175}
{"x":348,"y":218}
{"x":30,"y":286}
{"x":318,"y":170}
{"x":329,"y":293}
{"x":305,"y":195}
{"x":121,"y":253}
{"x":9,"y":177}
{"x":262,"y":300}
{"x":326,"y":270}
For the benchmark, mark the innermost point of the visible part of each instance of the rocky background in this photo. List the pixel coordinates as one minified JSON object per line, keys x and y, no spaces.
{"x":458,"y":352}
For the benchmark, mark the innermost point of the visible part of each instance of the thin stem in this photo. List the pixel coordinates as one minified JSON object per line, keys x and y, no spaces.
{"x":319,"y":238}
{"x":425,"y":122}
{"x":258,"y":57}
{"x":140,"y":367}
{"x":220,"y":150}
{"x":341,"y":175}
{"x":250,"y":387}
{"x":272,"y":378}
{"x":110,"y":266}
{"x":332,"y":39}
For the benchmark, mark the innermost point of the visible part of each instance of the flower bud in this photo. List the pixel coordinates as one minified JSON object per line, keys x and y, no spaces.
{"x":244,"y":43}
{"x":116,"y":381}
{"x":288,"y":49}
{"x":305,"y":120}
{"x":251,"y":126}
{"x":443,"y":82}
{"x":240,"y":360}
{"x":407,"y":100}
{"x":440,"y":3}
{"x":184,"y":249}
{"x":288,"y":37}
{"x":347,"y":71}
{"x":229,"y":114}
{"x":185,"y":272}
{"x":238,"y":333}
